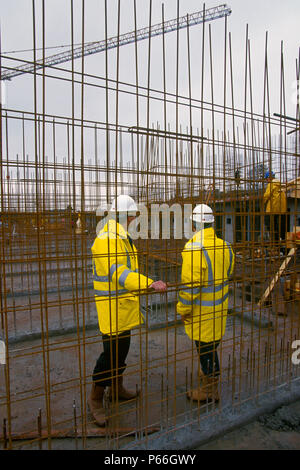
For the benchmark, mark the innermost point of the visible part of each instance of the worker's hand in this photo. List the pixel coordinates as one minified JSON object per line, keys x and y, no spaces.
{"x":159,"y":286}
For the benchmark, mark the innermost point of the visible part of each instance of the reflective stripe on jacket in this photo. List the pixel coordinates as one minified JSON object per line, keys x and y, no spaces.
{"x":207,"y":264}
{"x":115,"y":276}
{"x":275,"y":198}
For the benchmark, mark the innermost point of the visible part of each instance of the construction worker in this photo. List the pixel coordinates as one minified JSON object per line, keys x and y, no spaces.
{"x":207,"y":264}
{"x":116,"y":283}
{"x":276,"y":209}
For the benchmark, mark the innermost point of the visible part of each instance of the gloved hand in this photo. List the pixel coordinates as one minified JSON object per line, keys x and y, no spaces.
{"x":159,"y":286}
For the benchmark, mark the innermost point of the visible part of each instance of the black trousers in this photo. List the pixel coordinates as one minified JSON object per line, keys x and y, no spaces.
{"x":209,"y":357}
{"x":111,"y":363}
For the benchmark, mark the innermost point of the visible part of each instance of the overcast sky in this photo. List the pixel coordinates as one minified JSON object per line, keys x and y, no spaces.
{"x":280,"y":19}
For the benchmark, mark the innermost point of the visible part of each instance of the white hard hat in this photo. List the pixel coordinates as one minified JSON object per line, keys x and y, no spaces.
{"x":124,"y":203}
{"x":203,"y":213}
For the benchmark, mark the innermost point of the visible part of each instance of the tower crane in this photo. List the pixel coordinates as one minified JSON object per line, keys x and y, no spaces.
{"x":100,"y":46}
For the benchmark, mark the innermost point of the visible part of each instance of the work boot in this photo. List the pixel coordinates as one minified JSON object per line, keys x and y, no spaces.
{"x":95,"y":403}
{"x":119,"y":391}
{"x":198,"y":394}
{"x":207,"y":390}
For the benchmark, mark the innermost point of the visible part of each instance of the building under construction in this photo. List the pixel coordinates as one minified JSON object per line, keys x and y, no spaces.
{"x":141,"y":128}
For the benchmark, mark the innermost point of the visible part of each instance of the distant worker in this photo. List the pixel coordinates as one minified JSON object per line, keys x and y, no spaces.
{"x":78,"y":230}
{"x":207,"y":264}
{"x":117,"y":283}
{"x":71,"y":217}
{"x":276,"y":209}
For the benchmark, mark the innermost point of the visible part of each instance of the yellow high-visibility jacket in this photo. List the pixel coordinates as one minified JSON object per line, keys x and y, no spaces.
{"x":115,"y":276}
{"x":207,"y":264}
{"x":275,"y":198}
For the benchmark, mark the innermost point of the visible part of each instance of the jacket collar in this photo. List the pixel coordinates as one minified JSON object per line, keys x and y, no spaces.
{"x":203,"y":235}
{"x":206,"y":232}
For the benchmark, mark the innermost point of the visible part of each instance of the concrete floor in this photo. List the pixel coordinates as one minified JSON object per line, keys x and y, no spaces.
{"x":160,"y":363}
{"x":151,"y":367}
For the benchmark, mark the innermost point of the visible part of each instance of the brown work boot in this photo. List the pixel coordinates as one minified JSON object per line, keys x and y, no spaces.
{"x":207,"y":390}
{"x":95,"y":403}
{"x":213,"y":388}
{"x":118,"y":391}
{"x":199,"y":393}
